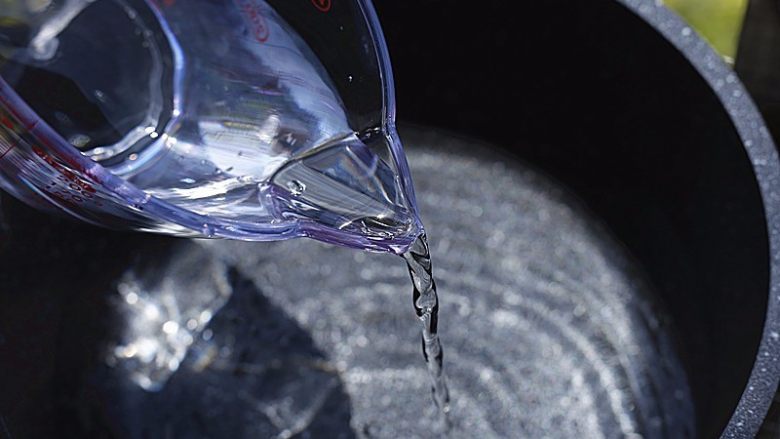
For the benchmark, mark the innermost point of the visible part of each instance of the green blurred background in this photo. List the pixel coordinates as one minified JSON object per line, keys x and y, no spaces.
{"x":718,"y":21}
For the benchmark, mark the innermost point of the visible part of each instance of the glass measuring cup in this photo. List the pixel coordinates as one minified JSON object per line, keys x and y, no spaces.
{"x":248,"y":119}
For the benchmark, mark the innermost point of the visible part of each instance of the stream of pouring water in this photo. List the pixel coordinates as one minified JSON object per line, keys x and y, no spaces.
{"x":426,"y":305}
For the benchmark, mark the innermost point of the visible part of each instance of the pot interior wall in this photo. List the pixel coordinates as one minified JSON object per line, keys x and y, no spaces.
{"x":593,"y":95}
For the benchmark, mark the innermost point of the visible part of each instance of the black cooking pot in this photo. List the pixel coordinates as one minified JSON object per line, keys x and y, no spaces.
{"x":618,"y":100}
{"x":622,"y":102}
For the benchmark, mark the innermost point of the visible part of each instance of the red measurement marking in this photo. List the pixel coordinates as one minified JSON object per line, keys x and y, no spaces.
{"x":2,"y":154}
{"x":8,"y":146}
{"x":322,"y":5}
{"x":7,"y":122}
{"x":69,"y":176}
{"x":16,"y":114}
{"x":254,"y":17}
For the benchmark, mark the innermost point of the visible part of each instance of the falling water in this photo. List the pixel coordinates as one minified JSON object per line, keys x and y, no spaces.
{"x":426,"y":305}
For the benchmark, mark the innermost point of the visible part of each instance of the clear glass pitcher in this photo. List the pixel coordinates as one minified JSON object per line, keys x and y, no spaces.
{"x":247,"y":119}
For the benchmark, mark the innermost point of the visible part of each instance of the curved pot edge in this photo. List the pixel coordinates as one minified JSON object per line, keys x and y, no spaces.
{"x":762,"y":385}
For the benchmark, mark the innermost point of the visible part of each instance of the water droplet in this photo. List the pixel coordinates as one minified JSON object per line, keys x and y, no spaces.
{"x":79,"y":140}
{"x":44,"y":50}
{"x":296,"y":187}
{"x":170,"y":327}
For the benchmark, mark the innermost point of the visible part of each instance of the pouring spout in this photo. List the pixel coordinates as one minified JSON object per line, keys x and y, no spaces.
{"x":349,"y":193}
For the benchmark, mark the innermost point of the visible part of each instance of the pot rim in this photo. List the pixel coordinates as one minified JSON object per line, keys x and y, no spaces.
{"x":762,"y":385}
